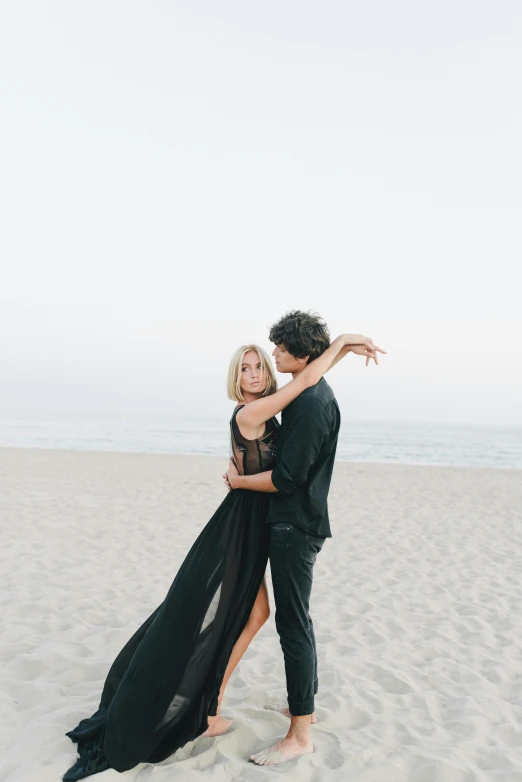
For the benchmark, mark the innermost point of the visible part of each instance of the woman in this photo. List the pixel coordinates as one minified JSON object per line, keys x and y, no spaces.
{"x":169,"y":678}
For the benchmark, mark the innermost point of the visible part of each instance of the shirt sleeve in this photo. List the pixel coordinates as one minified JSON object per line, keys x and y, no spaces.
{"x":308,"y":428}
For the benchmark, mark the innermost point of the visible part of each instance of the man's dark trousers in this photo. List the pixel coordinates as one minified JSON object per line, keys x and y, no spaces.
{"x":292,"y":557}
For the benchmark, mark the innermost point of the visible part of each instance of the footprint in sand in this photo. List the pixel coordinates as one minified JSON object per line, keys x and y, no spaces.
{"x":389,"y":682}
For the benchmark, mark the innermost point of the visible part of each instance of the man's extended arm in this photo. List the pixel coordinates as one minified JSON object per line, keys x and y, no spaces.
{"x":261,"y":481}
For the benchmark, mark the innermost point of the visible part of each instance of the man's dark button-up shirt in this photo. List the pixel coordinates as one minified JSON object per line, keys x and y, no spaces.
{"x":304,"y":460}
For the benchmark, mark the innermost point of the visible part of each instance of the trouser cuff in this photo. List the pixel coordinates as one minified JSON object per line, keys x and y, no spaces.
{"x":301,"y":708}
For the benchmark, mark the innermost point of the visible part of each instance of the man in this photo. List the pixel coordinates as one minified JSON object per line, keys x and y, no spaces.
{"x":298,"y":515}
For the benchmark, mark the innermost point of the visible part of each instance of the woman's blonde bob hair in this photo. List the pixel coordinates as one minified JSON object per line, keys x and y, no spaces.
{"x":234,"y":373}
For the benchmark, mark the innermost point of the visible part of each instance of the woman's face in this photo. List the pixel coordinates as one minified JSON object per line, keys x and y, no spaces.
{"x":252,"y":376}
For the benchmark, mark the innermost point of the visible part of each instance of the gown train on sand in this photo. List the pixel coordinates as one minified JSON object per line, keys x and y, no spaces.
{"x":165,"y":681}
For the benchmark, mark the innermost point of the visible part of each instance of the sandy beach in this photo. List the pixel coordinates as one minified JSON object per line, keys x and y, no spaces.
{"x":417,"y":609}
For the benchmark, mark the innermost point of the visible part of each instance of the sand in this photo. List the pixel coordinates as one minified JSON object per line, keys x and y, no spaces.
{"x":417,"y":608}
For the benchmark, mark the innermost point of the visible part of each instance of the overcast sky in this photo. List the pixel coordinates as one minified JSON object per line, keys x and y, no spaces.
{"x":174,"y":176}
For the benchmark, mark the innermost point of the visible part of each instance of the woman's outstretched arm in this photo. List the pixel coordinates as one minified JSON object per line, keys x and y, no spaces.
{"x":254,"y":414}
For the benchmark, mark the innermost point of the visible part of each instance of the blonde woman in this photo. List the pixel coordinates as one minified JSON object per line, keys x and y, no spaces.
{"x":166,"y":685}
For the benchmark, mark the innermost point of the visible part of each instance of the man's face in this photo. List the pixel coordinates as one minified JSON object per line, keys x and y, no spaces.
{"x":285,"y":362}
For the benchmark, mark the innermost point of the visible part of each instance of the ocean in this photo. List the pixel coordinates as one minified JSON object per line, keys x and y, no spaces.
{"x":359,"y":441}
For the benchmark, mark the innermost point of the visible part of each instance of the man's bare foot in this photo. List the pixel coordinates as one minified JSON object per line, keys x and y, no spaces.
{"x":286,"y":711}
{"x":217,"y":726}
{"x":284,"y":750}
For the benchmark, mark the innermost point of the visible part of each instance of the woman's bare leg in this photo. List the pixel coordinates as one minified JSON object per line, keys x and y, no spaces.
{"x":217,"y":725}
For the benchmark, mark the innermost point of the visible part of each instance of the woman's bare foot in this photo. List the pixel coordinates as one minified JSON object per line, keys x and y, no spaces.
{"x":217,"y":726}
{"x":284,"y":750}
{"x":286,"y":711}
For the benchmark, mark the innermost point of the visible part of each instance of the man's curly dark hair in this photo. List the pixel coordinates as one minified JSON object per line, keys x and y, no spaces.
{"x":301,"y":334}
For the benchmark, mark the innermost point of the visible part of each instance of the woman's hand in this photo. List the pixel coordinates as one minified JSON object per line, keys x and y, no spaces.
{"x":354,"y":343}
{"x":362,"y":345}
{"x":367,"y":349}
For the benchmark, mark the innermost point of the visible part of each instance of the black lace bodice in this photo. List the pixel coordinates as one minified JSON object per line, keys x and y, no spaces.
{"x":253,"y":456}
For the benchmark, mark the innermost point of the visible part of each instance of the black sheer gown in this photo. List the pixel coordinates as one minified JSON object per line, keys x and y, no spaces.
{"x":166,"y":680}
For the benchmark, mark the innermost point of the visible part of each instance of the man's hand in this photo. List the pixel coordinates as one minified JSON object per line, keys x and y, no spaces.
{"x":229,"y":477}
{"x":356,"y":339}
